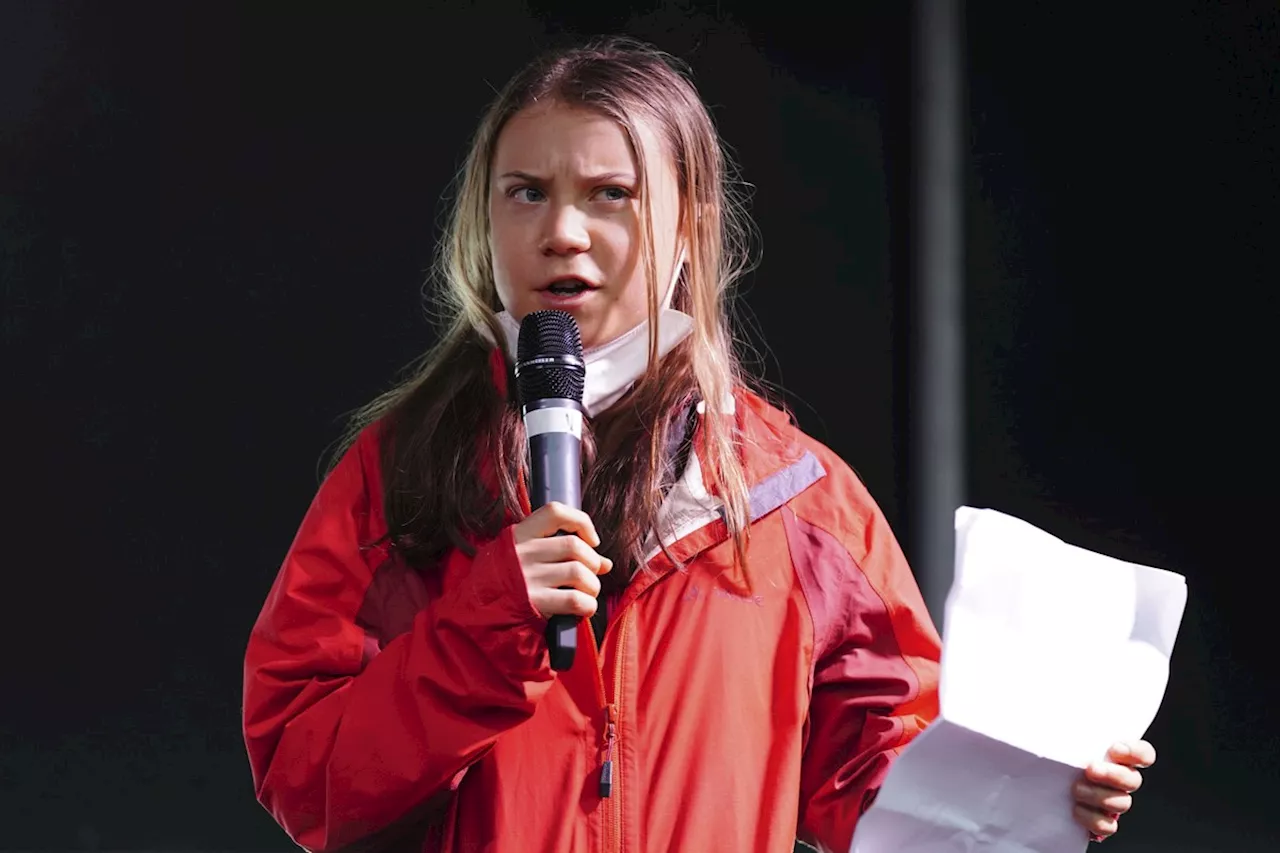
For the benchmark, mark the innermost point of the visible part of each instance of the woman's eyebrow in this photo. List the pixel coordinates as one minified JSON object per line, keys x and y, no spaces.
{"x":602,"y":178}
{"x":523,"y":176}
{"x":606,"y":177}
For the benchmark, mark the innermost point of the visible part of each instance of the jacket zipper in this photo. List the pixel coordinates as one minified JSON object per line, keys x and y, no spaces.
{"x":610,"y":779}
{"x":606,"y":769}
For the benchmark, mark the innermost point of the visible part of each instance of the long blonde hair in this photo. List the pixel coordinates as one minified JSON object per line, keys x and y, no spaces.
{"x":435,"y":496}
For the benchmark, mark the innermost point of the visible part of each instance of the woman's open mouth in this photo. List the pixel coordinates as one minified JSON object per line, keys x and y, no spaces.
{"x":569,"y":287}
{"x":567,"y":291}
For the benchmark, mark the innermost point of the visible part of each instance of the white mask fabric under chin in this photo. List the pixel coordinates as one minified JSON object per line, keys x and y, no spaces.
{"x":612,"y":368}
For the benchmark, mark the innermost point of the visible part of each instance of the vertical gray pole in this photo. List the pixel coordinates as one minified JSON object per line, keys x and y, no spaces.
{"x":937,"y":327}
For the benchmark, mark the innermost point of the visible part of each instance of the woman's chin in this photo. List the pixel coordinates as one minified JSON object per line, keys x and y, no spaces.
{"x":597,"y":331}
{"x":593,"y":328}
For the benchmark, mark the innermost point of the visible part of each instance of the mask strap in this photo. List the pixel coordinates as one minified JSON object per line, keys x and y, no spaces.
{"x":675,"y":278}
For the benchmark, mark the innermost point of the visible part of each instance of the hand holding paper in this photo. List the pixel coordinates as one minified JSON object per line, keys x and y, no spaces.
{"x":1104,"y":792}
{"x":1035,"y":630}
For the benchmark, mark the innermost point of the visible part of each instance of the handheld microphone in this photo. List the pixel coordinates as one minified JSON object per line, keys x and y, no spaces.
{"x":550,"y":376}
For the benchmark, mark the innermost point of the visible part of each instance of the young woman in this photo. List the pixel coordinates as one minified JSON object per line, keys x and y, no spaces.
{"x":755,"y":651}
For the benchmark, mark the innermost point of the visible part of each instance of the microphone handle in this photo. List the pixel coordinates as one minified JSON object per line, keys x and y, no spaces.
{"x":556,"y":475}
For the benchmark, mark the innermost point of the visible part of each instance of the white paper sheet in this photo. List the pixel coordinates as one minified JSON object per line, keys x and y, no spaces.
{"x":1051,"y":653}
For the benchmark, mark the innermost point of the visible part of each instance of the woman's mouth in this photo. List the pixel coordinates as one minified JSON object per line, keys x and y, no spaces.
{"x":568,"y":287}
{"x":567,"y":292}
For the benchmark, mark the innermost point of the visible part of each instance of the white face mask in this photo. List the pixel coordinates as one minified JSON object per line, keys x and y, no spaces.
{"x":613,"y":367}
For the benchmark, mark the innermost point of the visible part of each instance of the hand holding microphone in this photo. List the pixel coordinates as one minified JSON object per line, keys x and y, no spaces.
{"x":560,"y":571}
{"x":560,"y":567}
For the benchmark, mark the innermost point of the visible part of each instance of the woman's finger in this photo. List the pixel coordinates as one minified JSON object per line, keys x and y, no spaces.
{"x":573,"y":548}
{"x":1136,"y":754}
{"x":562,"y":549}
{"x":572,"y":574}
{"x":553,"y":518}
{"x":1096,"y":823}
{"x":1117,"y":776}
{"x":1107,"y":800}
{"x":568,"y":602}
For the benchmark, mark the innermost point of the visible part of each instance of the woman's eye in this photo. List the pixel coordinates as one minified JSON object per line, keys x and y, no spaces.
{"x":615,"y":193}
{"x":529,"y":195}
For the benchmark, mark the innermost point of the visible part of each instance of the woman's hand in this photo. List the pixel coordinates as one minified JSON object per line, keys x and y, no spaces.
{"x":560,"y":571}
{"x":1103,"y":792}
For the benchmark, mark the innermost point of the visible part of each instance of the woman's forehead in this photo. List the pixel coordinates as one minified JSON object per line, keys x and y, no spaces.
{"x":556,"y":137}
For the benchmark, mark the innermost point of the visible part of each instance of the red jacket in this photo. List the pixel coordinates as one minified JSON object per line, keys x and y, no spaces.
{"x":389,"y":708}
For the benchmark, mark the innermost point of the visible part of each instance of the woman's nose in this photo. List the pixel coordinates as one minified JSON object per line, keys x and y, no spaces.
{"x":566,"y":232}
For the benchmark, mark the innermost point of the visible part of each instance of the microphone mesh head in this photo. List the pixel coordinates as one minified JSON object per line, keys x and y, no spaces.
{"x":549,"y":357}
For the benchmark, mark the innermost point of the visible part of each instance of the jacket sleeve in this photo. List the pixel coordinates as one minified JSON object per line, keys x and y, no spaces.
{"x":875,"y":674}
{"x":345,"y":739}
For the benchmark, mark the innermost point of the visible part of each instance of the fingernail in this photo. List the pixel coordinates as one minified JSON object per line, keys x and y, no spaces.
{"x":1115,"y":816}
{"x":1123,"y":749}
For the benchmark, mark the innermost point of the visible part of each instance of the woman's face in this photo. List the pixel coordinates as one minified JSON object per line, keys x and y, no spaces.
{"x":566,"y":218}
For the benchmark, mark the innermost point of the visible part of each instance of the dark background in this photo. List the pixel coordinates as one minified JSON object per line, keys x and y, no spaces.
{"x":215,"y":220}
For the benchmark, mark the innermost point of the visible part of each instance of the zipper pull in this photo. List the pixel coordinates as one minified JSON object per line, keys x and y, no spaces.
{"x":606,"y":769}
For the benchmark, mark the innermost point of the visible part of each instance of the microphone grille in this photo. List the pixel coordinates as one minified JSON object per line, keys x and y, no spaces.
{"x":549,"y":357}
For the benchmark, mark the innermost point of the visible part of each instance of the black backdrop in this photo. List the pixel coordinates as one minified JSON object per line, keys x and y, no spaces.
{"x":215,"y":220}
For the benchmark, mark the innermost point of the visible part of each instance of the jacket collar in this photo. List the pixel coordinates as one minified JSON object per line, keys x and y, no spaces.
{"x":777,"y":466}
{"x":692,"y":520}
